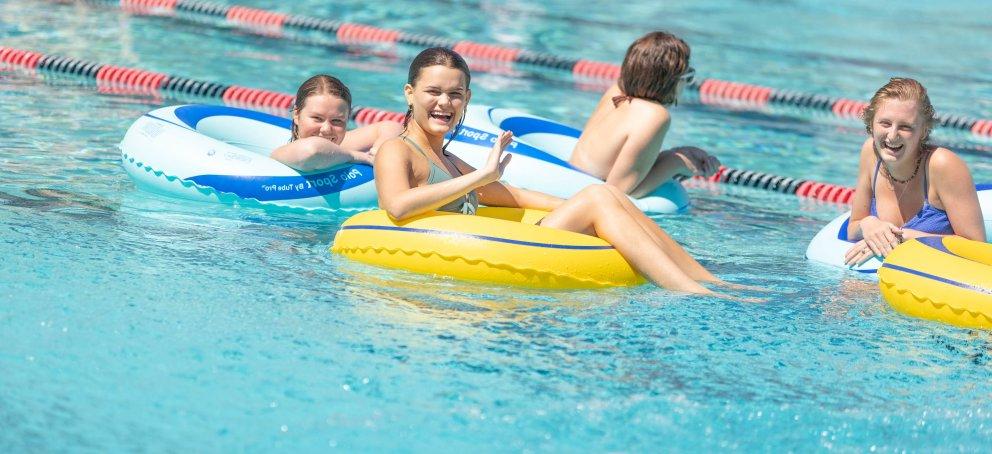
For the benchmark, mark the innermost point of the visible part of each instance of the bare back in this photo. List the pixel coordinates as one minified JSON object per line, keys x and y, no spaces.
{"x":621,"y":142}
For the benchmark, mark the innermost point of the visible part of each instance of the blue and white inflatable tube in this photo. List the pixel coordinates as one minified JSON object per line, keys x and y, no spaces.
{"x":830,"y":243}
{"x":541,"y":151}
{"x":221,"y":154}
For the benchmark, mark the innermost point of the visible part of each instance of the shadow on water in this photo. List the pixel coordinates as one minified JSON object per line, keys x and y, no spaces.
{"x":76,"y":205}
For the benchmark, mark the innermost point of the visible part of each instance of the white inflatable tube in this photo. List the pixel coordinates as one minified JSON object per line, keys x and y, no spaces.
{"x":221,"y":154}
{"x":541,"y":151}
{"x":831,"y":243}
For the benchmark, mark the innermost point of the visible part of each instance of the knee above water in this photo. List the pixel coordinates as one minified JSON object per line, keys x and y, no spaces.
{"x":598,"y":193}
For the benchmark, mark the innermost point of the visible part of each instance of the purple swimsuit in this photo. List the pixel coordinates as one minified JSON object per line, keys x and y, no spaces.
{"x":930,"y":219}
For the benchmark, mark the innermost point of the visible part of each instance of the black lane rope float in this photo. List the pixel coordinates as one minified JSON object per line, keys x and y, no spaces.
{"x":119,"y":80}
{"x":716,"y":92}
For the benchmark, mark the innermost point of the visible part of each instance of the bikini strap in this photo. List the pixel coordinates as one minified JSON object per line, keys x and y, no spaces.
{"x":874,"y":178}
{"x":621,"y":98}
{"x":416,"y":147}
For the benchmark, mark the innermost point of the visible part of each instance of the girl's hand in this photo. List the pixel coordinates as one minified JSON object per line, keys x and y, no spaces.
{"x":493,"y":170}
{"x":879,"y":236}
{"x":697,"y":161}
{"x":858,"y":254}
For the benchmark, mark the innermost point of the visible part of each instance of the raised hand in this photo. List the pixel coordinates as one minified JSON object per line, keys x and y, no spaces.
{"x":496,"y":163}
{"x":697,"y":161}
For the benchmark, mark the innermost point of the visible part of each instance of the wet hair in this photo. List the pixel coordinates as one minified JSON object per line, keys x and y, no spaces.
{"x":321,"y":84}
{"x":437,"y":56}
{"x":903,"y":89}
{"x":652,"y":67}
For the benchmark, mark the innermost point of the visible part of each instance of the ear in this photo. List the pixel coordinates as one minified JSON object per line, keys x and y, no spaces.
{"x":408,"y":94}
{"x":468,"y":95}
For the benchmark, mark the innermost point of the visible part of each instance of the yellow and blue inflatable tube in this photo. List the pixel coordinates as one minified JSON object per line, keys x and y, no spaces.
{"x":497,"y":245}
{"x":947,"y":279}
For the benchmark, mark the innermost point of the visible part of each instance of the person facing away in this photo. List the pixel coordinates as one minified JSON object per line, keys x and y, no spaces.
{"x":621,"y":142}
{"x":320,"y":139}
{"x":415,"y":175}
{"x":906,"y":187}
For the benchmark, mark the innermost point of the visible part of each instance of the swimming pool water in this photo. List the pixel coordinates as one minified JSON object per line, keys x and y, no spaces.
{"x":130,"y":321}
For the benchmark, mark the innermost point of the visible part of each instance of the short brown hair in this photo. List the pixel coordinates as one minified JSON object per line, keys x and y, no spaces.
{"x":903,"y":89}
{"x":321,"y":84}
{"x":652,"y":67}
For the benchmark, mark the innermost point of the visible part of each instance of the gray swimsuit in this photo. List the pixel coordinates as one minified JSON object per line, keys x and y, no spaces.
{"x":466,"y":204}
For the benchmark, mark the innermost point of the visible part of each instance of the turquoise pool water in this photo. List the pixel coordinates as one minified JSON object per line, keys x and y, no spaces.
{"x":130,"y":321}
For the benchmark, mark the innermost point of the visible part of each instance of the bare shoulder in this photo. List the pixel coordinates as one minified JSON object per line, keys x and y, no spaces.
{"x":650,"y":112}
{"x":945,"y":163}
{"x":393,"y":149}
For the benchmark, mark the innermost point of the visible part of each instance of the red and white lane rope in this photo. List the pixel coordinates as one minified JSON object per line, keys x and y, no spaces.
{"x":712,"y":91}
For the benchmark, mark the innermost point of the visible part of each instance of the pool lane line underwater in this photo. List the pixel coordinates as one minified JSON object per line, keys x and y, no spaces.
{"x":716,"y":92}
{"x":119,"y":80}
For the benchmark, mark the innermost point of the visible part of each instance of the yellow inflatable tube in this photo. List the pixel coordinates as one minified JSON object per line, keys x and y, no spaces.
{"x":497,"y":245}
{"x":948,"y":279}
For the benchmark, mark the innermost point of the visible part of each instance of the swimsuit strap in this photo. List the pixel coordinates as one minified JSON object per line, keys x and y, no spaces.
{"x":416,"y":147}
{"x":429,"y":160}
{"x":926,"y":179}
{"x":621,"y":98}
{"x":874,"y":178}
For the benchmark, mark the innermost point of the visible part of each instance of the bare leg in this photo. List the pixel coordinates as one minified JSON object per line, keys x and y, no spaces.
{"x":674,"y":250}
{"x":596,"y":210}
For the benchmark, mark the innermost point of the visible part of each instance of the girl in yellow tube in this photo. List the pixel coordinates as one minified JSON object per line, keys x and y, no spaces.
{"x":414,"y":174}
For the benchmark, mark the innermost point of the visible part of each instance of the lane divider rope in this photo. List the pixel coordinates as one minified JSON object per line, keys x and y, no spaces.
{"x":124,"y":81}
{"x":712,"y":91}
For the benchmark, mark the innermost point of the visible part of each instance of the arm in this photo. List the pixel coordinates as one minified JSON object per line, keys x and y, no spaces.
{"x":956,"y":192}
{"x":314,"y":153}
{"x":874,"y":236}
{"x":499,"y":194}
{"x":503,"y":195}
{"x":399,"y":194}
{"x":861,"y":203}
{"x":370,"y":137}
{"x":638,"y":152}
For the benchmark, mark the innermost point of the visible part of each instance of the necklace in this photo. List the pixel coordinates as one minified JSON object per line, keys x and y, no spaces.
{"x":919,"y":159}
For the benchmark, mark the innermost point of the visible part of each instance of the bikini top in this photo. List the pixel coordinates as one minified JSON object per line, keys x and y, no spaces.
{"x":929,"y":219}
{"x":466,"y":204}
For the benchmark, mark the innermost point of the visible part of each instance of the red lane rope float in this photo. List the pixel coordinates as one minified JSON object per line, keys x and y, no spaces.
{"x":18,"y":57}
{"x":718,"y":90}
{"x":120,"y":80}
{"x":714,"y":91}
{"x":486,"y":51}
{"x":849,"y":108}
{"x":368,"y":115}
{"x":245,"y":97}
{"x":256,"y":18}
{"x":982,"y":127}
{"x":150,"y":7}
{"x":356,"y":33}
{"x":596,"y":69}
